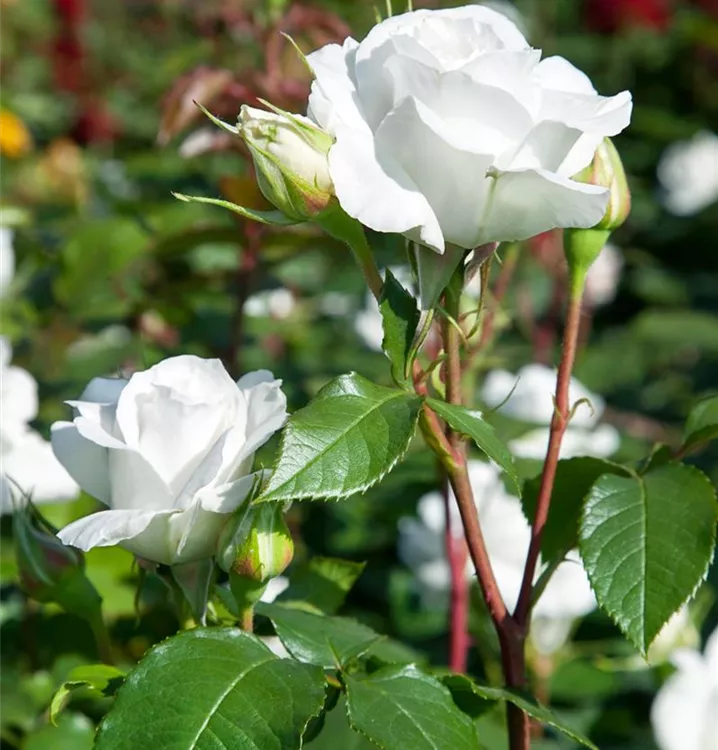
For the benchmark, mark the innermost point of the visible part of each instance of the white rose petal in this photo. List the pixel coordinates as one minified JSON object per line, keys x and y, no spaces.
{"x":169,"y":451}
{"x":684,"y":714}
{"x":688,"y":172}
{"x":449,"y":129}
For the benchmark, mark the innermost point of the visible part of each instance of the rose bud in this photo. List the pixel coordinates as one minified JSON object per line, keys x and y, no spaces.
{"x":582,"y":246}
{"x":290,"y":156}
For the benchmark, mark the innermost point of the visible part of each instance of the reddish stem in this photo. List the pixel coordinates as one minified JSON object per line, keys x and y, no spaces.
{"x":457,"y":555}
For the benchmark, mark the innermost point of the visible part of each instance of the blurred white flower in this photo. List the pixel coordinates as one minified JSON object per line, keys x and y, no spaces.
{"x":507,"y":534}
{"x":170,"y":452}
{"x":270,"y":303}
{"x":335,"y":304}
{"x":27,"y":463}
{"x":273,"y":590}
{"x":684,"y":714}
{"x":7,"y":259}
{"x":530,"y":399}
{"x":603,"y":276}
{"x":680,"y":632}
{"x":688,"y":172}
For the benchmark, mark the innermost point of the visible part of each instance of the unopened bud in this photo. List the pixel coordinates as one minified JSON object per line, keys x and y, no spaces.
{"x":582,"y":246}
{"x":254,"y":547}
{"x":50,"y":571}
{"x":290,"y":156}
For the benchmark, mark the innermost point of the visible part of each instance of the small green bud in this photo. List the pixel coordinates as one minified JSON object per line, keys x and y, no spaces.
{"x":49,"y":570}
{"x":254,"y":547}
{"x":290,"y":156}
{"x":583,"y":246}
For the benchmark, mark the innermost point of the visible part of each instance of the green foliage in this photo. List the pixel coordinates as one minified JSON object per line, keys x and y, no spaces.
{"x":702,"y":424}
{"x":646,"y":543}
{"x":402,"y":707}
{"x":401,"y":318}
{"x":314,"y":638}
{"x":322,"y":582}
{"x":472,"y":424}
{"x":574,"y":478}
{"x":213,"y":680}
{"x":348,"y":438}
{"x":95,"y":680}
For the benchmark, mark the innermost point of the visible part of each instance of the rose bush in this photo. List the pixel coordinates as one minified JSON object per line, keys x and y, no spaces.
{"x":170,"y":452}
{"x":449,"y":129}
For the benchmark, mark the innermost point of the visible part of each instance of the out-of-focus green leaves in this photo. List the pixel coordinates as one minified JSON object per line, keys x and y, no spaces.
{"x":322,"y":582}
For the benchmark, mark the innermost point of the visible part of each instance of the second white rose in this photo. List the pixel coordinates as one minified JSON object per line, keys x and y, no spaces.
{"x":170,"y":452}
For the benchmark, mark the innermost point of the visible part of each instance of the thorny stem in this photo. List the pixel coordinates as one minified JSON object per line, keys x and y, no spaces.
{"x":559,"y":422}
{"x":509,"y":636}
{"x":457,"y":555}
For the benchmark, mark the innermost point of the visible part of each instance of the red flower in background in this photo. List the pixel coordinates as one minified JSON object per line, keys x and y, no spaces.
{"x":609,"y":16}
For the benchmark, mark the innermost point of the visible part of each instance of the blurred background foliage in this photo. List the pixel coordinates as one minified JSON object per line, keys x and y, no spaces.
{"x":113,"y":274}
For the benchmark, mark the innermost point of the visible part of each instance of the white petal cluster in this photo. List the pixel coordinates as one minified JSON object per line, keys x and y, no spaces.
{"x":528,"y":397}
{"x":684,"y":714}
{"x":169,"y":452}
{"x":688,"y":172}
{"x":450,"y":129}
{"x":28,"y":465}
{"x":507,"y":534}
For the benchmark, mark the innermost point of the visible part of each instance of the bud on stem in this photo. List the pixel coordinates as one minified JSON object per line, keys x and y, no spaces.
{"x":582,"y":246}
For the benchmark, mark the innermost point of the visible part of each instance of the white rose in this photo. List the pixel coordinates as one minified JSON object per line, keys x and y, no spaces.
{"x":688,"y":172}
{"x":449,"y":129}
{"x":507,"y":535}
{"x":528,"y":397}
{"x":684,"y":714}
{"x":169,"y":452}
{"x":28,"y":466}
{"x":7,"y":259}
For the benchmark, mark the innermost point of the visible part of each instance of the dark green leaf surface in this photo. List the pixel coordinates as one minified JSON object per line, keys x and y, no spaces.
{"x":646,"y":543}
{"x":399,"y":708}
{"x":472,"y":424}
{"x":401,"y":318}
{"x":459,"y":685}
{"x":317,"y":639}
{"x":702,"y":423}
{"x":343,"y":442}
{"x":323,"y":582}
{"x":574,"y":478}
{"x":213,"y":689}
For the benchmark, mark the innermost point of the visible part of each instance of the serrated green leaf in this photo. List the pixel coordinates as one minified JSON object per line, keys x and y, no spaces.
{"x":400,"y":317}
{"x":574,"y":478}
{"x":702,"y":423}
{"x":276,"y":218}
{"x":213,"y":687}
{"x":318,"y":639}
{"x":401,"y":707}
{"x":646,"y":543}
{"x":472,"y":424}
{"x":343,"y":442}
{"x":98,"y":680}
{"x":525,"y":702}
{"x":323,"y":582}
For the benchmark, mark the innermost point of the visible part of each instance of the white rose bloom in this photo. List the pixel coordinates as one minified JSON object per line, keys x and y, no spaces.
{"x":530,"y":399}
{"x":169,"y":451}
{"x":688,"y":172}
{"x":507,"y":534}
{"x":684,"y":714}
{"x":603,"y":277}
{"x":450,"y":129}
{"x":27,"y":463}
{"x":7,"y":259}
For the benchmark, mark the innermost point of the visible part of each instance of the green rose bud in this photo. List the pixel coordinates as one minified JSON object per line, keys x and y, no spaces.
{"x":290,"y":156}
{"x":582,"y":246}
{"x":50,"y":571}
{"x":254,"y":547}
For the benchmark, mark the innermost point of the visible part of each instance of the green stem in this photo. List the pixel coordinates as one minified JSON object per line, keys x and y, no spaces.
{"x":102,"y":639}
{"x":246,"y":620}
